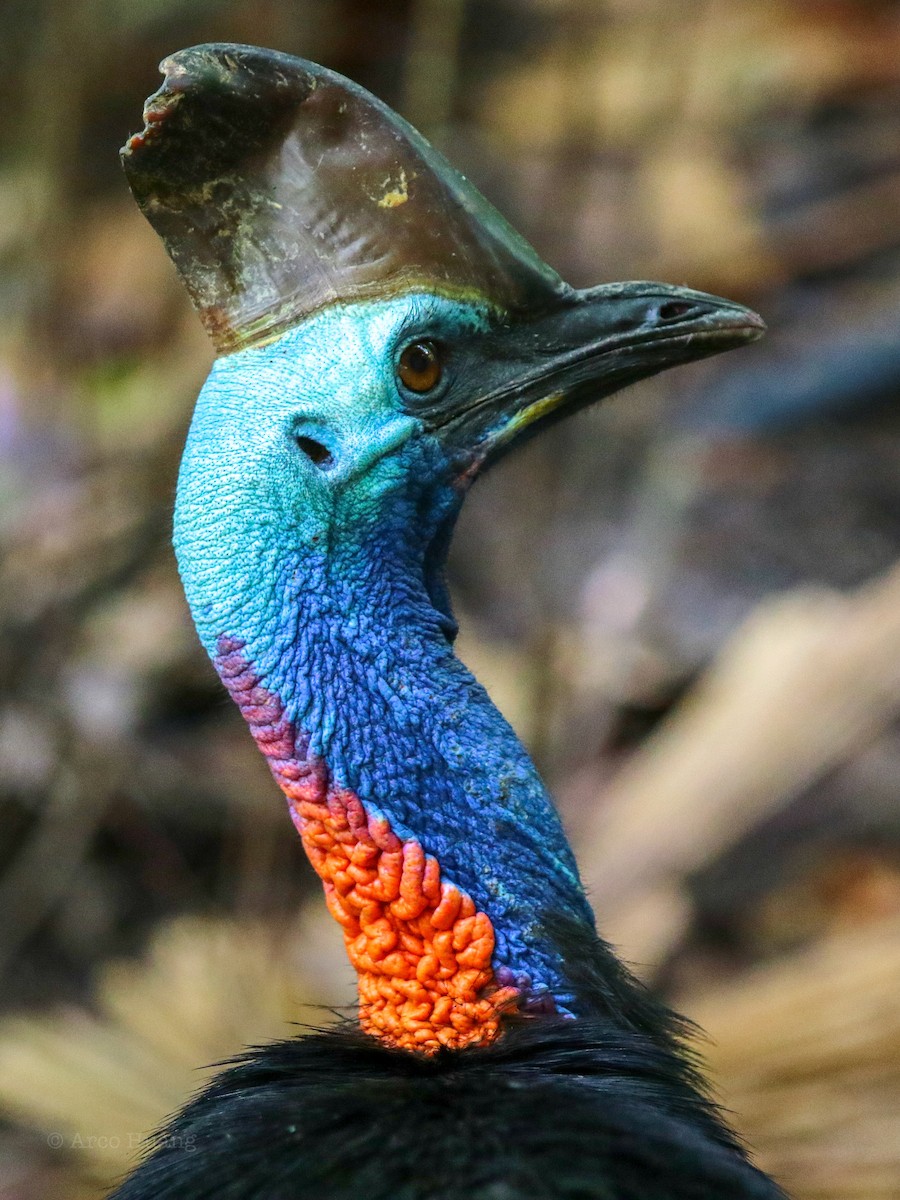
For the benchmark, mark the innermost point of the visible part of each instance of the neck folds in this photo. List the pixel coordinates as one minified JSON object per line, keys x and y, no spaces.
{"x":438,"y":848}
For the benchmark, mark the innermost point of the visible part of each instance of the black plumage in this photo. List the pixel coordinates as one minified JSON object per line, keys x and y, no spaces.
{"x":608,"y":1107}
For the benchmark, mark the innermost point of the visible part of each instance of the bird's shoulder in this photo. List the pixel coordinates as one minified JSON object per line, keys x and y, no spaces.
{"x":604,"y":1107}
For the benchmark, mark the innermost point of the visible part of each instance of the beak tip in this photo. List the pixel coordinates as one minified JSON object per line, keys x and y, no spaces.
{"x":756,"y":326}
{"x":733,"y":325}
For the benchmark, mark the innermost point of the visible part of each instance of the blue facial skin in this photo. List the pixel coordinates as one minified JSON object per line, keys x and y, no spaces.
{"x":332,"y":576}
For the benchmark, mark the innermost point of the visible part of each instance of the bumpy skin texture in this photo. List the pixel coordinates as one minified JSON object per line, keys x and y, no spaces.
{"x":603,"y":1108}
{"x":422,"y":951}
{"x":330,"y":580}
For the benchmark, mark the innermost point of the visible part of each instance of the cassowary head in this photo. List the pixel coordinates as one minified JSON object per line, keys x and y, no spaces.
{"x":384,"y":334}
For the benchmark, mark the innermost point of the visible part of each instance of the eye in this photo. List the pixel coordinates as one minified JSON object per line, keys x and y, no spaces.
{"x":419,"y":366}
{"x":315,"y":452}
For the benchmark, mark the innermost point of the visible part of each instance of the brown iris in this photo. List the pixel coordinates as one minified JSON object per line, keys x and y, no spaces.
{"x":419,"y":366}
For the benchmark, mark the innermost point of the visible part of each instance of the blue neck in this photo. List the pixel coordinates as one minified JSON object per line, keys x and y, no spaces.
{"x":365,"y":669}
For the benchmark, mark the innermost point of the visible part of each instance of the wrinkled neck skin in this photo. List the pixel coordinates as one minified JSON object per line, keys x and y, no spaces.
{"x":438,"y":846}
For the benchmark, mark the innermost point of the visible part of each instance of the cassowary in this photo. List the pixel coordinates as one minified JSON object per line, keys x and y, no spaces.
{"x":384,"y":337}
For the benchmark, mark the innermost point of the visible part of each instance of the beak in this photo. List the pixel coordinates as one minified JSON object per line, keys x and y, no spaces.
{"x":536,"y":370}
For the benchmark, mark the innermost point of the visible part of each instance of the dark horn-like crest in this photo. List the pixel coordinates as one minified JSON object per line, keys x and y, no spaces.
{"x":279,"y":187}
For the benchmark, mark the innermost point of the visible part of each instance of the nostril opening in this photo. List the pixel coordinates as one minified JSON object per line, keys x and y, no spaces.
{"x":316,"y":452}
{"x":674,"y":310}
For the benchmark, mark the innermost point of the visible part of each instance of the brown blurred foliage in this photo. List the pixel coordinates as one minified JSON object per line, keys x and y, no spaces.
{"x":739,"y":823}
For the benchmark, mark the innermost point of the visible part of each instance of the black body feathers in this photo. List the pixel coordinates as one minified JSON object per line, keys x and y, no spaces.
{"x":607,"y":1107}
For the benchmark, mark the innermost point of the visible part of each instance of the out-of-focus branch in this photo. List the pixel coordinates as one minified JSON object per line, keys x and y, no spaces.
{"x":811,"y":677}
{"x":205,"y":990}
{"x":806,"y":1053}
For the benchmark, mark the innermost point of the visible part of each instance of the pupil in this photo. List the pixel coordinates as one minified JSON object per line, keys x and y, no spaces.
{"x":419,"y":366}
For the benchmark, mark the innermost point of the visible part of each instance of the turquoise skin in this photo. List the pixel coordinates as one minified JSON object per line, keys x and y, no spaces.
{"x":331,"y":576}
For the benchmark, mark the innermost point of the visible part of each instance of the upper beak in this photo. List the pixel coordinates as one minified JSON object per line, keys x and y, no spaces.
{"x":536,"y":370}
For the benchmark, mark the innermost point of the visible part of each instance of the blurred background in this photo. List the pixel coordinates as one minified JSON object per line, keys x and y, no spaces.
{"x":687,"y":601}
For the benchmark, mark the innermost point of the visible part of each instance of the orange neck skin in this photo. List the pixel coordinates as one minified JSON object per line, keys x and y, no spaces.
{"x":422,"y":950}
